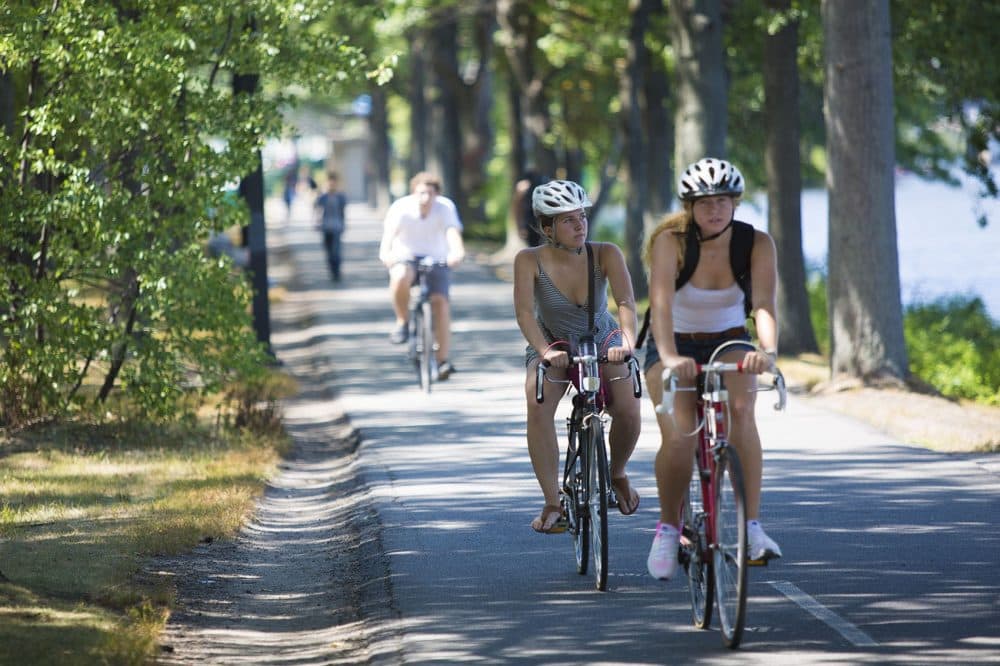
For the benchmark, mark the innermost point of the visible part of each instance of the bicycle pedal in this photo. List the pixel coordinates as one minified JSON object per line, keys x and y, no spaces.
{"x":758,"y":563}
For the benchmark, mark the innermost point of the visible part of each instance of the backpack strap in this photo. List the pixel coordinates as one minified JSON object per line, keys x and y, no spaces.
{"x":642,"y":331}
{"x":692,"y":252}
{"x":740,"y":250}
{"x":590,"y":289}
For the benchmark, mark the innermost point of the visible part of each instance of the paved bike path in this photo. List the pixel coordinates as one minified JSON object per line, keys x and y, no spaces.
{"x":891,"y":551}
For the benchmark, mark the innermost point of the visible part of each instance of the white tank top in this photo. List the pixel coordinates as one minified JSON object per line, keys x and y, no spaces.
{"x":708,"y":310}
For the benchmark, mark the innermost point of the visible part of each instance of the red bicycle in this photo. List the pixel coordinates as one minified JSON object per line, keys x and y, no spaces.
{"x":713,"y":544}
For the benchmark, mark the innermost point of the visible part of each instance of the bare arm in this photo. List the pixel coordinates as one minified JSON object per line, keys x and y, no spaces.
{"x":662,"y":275}
{"x":620,"y":280}
{"x":390,"y":227}
{"x":456,"y":246}
{"x":525,"y":274}
{"x":764,"y":282}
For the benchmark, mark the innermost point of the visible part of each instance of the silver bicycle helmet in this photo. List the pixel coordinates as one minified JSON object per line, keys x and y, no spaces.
{"x":559,"y":196}
{"x":709,"y":177}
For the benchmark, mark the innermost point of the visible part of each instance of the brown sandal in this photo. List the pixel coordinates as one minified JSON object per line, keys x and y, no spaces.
{"x":559,"y":525}
{"x":624,"y":490}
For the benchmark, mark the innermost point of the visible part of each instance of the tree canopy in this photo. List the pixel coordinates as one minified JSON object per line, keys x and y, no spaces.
{"x":123,"y":144}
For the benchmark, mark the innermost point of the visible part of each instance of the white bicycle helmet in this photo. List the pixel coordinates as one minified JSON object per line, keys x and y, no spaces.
{"x":708,"y":177}
{"x":558,"y":196}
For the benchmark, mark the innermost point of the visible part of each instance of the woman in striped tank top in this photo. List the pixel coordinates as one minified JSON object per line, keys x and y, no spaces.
{"x":551,"y":305}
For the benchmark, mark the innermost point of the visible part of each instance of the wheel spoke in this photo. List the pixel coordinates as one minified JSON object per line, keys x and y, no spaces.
{"x":730,"y":563}
{"x":695,"y":555}
{"x":598,"y":493}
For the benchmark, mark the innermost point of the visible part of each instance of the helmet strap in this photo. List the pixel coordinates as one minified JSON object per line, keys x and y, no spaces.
{"x":560,"y":246}
{"x":705,"y":239}
{"x":552,"y":241}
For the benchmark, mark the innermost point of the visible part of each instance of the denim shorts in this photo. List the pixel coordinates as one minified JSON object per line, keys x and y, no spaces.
{"x":699,"y":350}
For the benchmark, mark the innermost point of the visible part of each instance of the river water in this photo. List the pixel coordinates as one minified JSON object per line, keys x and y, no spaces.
{"x":942,"y":249}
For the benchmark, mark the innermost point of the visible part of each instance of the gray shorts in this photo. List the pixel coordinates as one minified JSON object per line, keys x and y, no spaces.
{"x":438,"y":279}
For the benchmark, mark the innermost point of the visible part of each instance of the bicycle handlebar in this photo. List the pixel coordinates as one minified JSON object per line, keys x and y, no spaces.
{"x":587,"y":359}
{"x":670,"y":380}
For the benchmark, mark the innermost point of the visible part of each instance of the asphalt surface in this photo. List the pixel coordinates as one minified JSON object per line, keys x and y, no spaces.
{"x":891,"y":552}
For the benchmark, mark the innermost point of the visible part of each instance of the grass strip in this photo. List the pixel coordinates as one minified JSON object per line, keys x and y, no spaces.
{"x":82,"y":508}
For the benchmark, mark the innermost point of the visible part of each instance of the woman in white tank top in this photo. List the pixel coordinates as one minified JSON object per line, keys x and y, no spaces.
{"x":688,"y":324}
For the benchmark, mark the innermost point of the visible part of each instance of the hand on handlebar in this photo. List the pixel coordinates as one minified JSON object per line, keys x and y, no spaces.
{"x":556,"y":358}
{"x":755,"y":362}
{"x":682,"y":367}
{"x":618,"y":354}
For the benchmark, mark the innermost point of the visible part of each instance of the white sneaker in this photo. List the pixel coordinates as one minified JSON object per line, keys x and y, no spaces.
{"x":761,"y":546}
{"x":662,"y":560}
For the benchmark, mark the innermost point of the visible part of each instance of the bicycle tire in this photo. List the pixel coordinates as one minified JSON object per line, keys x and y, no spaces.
{"x":695,"y":554}
{"x":426,"y":356}
{"x":415,"y":347}
{"x":597,"y":494}
{"x":574,"y":499}
{"x":730,"y":552}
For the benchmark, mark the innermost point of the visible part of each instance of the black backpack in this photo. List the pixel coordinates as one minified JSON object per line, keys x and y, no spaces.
{"x":740,"y":249}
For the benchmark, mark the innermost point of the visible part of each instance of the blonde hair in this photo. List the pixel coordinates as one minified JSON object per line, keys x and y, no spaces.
{"x":677,"y":223}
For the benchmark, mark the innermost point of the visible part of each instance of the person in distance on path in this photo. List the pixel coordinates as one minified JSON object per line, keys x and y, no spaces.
{"x":422,"y":224}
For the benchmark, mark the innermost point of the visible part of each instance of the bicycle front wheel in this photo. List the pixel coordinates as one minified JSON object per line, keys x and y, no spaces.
{"x":730,"y":543}
{"x":575,"y":499}
{"x":425,"y":357}
{"x":695,"y":554}
{"x":597,"y":494}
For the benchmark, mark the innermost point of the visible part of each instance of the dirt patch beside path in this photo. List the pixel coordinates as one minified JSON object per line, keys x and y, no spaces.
{"x":306,"y":581}
{"x":924,"y":420}
{"x":916,"y":418}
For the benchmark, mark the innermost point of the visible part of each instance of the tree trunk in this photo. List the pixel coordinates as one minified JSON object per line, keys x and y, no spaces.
{"x":475,"y":95}
{"x":252,"y":190}
{"x":659,"y":131}
{"x":866,"y":315}
{"x":636,"y":191}
{"x":417,"y":94}
{"x":700,"y":117}
{"x":445,"y":122}
{"x":379,"y":181}
{"x":7,"y":103}
{"x":518,"y":20}
{"x":784,"y":182}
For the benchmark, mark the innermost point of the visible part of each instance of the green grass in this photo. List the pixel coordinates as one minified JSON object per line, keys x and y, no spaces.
{"x":952,"y":343}
{"x":83,"y":508}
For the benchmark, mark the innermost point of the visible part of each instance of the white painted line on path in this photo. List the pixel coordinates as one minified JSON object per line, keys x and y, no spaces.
{"x":857,"y":637}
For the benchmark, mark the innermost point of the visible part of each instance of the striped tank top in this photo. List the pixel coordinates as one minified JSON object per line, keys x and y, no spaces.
{"x":562,"y":319}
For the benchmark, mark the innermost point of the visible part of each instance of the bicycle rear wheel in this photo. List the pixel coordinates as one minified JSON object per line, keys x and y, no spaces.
{"x":597,"y":494}
{"x":730,"y":539}
{"x":425,"y":346}
{"x":695,"y":554}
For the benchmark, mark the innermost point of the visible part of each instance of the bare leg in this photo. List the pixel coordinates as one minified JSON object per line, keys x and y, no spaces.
{"x":745,"y":438}
{"x":543,"y":447}
{"x":625,"y":421}
{"x":442,"y":325}
{"x":675,"y":457}
{"x":400,"y":279}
